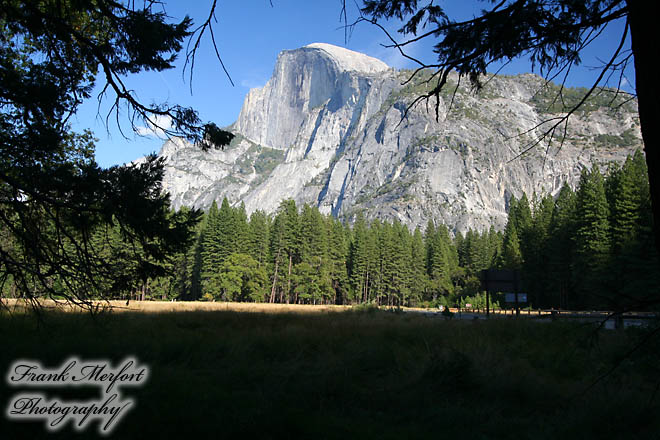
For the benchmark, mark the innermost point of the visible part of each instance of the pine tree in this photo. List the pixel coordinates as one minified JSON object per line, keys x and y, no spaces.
{"x":313,"y":236}
{"x":210,"y":250}
{"x":242,"y":239}
{"x":196,"y":268}
{"x":523,"y":214}
{"x":226,"y":232}
{"x":418,"y":274}
{"x":534,"y":245}
{"x":440,"y":259}
{"x":561,"y":248}
{"x":592,"y":238}
{"x":278,"y":255}
{"x":363,"y":260}
{"x":357,"y":261}
{"x":219,"y":241}
{"x":516,"y":233}
{"x":458,"y":243}
{"x":396,"y":267}
{"x":313,"y":252}
{"x":471,"y":251}
{"x":337,"y":259}
{"x":310,"y":285}
{"x":178,"y":283}
{"x":379,"y":256}
{"x":495,"y":240}
{"x":241,"y":279}
{"x":511,"y":253}
{"x":633,"y":267}
{"x":625,"y":199}
{"x":285,"y":244}
{"x":259,"y":237}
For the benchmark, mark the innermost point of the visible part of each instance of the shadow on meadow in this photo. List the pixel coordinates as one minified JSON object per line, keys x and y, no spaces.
{"x":355,"y":374}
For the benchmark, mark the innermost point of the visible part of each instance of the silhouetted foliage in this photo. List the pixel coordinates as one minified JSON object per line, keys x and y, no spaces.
{"x":56,"y":203}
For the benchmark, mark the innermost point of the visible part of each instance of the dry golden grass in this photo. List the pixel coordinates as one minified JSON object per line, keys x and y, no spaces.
{"x":184,"y":306}
{"x":178,"y":306}
{"x":195,"y":306}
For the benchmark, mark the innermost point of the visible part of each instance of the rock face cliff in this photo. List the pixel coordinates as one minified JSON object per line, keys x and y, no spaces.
{"x":332,"y":128}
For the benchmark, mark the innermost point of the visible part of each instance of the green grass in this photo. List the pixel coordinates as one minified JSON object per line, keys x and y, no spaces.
{"x":356,"y":374}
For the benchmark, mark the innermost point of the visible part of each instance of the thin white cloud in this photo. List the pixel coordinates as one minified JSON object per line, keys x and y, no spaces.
{"x":254,"y":78}
{"x":253,"y":83}
{"x":156,"y":127}
{"x":393,"y":58}
{"x":391,"y":55}
{"x":626,"y":86}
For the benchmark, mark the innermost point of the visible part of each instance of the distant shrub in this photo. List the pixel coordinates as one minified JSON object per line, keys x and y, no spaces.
{"x":368,"y":308}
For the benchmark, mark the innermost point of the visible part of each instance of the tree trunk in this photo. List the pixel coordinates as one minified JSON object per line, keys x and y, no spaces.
{"x":272,"y":290}
{"x":288,"y":282}
{"x":642,"y":17}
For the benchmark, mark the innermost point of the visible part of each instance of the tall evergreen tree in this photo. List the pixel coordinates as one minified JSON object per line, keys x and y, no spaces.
{"x":440,"y":260}
{"x":313,"y":236}
{"x":512,"y":257}
{"x":241,"y":229}
{"x":418,"y":274}
{"x":337,"y":259}
{"x":511,"y":254}
{"x":592,"y":238}
{"x":285,"y":247}
{"x":219,"y":241}
{"x":363,"y":260}
{"x":523,"y":214}
{"x":227,"y":231}
{"x":278,"y":255}
{"x":396,"y":267}
{"x":535,"y":250}
{"x":259,"y":237}
{"x":561,"y":249}
{"x":495,"y":240}
{"x":209,"y":248}
{"x":313,"y":253}
{"x":196,"y":269}
{"x":240,"y":278}
{"x":380,"y":257}
{"x":633,"y":267}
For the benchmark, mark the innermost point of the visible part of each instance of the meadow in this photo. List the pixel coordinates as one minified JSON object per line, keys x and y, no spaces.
{"x":263,"y":371}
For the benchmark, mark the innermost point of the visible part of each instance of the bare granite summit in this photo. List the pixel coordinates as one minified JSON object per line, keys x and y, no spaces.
{"x":349,"y":60}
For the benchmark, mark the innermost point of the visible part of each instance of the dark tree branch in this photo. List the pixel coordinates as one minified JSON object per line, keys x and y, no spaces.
{"x":564,"y":119}
{"x":196,"y":39}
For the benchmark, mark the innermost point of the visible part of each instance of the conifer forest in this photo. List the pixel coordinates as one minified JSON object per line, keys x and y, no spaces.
{"x":588,"y":248}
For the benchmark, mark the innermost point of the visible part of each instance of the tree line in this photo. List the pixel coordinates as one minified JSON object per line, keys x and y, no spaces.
{"x":590,"y":247}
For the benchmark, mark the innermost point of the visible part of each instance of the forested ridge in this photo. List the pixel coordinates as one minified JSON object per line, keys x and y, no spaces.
{"x":586,"y":248}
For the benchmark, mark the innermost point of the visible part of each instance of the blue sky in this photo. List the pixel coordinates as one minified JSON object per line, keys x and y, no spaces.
{"x":249,"y":35}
